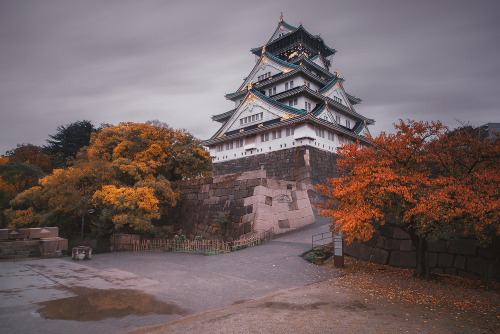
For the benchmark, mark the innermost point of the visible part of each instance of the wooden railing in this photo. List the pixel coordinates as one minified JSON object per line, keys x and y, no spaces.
{"x":207,"y":247}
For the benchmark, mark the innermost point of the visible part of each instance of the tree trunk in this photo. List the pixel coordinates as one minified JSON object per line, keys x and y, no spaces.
{"x":422,"y":270}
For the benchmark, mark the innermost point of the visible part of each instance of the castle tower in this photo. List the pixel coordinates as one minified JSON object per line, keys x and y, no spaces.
{"x":290,"y":101}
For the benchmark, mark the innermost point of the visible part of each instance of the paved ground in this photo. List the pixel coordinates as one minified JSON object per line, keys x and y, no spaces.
{"x":186,"y":285}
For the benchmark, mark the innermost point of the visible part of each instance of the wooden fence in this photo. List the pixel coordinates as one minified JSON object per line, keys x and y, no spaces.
{"x":207,"y":247}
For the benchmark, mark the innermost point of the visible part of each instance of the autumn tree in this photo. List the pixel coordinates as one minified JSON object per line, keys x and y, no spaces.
{"x":32,"y":154}
{"x":15,"y":177}
{"x":125,"y":174}
{"x":408,"y":179}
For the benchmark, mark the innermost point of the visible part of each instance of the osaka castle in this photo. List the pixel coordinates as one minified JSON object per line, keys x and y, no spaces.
{"x":289,"y":99}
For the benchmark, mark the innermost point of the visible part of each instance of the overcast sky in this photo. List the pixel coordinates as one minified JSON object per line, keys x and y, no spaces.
{"x":111,"y":61}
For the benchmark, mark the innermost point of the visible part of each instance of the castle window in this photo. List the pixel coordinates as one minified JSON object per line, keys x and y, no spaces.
{"x":229,"y":145}
{"x":274,"y":90}
{"x":347,"y":123}
{"x":289,"y":131}
{"x":291,"y":84}
{"x":239,"y":143}
{"x":337,"y":119}
{"x":264,"y":137}
{"x":286,"y":85}
{"x":270,"y":92}
{"x":290,"y":103}
{"x":320,"y":132}
{"x":276,"y":134}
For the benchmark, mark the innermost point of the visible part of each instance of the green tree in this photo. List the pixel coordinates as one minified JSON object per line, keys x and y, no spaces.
{"x":69,"y":139}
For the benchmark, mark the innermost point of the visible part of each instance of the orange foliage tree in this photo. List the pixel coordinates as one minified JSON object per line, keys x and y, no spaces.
{"x":124,"y":174}
{"x":32,"y":154}
{"x":433,"y":182}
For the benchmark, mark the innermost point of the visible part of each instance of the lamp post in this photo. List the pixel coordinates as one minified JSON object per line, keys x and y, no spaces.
{"x":83,"y":212}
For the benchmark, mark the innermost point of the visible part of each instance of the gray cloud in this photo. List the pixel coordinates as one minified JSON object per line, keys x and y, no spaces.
{"x":112,"y":61}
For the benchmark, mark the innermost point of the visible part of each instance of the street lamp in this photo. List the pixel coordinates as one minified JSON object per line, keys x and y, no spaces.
{"x":83,"y":212}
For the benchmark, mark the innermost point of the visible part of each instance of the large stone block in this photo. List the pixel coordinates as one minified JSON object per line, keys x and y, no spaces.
{"x":403,"y":259}
{"x":445,"y":260}
{"x":381,"y":256}
{"x":399,"y":233}
{"x":391,"y":244}
{"x":386,"y":231}
{"x":49,"y":232}
{"x":463,"y":247}
{"x":381,"y":242}
{"x":48,"y":246}
{"x":437,"y":247}
{"x":13,"y":235}
{"x":4,"y":234}
{"x":62,"y":244}
{"x":474,"y":266}
{"x":406,"y":245}
{"x":459,"y":262}
{"x":35,"y":233}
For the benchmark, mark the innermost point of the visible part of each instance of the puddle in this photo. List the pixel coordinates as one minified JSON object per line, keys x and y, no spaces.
{"x":96,"y":304}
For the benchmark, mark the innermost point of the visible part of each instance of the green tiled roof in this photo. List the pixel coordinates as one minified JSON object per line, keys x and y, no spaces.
{"x":223,"y":115}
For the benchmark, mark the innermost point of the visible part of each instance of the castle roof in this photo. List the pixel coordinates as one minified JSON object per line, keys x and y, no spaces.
{"x":296,"y":34}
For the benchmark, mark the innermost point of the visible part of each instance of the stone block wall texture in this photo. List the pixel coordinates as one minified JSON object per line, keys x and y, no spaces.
{"x":31,"y":242}
{"x":254,"y":202}
{"x":305,"y":164}
{"x":392,"y":245}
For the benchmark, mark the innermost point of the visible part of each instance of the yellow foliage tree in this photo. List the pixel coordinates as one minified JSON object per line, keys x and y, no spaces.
{"x":124,"y":174}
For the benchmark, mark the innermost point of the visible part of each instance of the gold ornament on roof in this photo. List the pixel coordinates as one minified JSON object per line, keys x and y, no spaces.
{"x":263,"y":49}
{"x":281,"y":17}
{"x":337,"y":74}
{"x":250,"y":85}
{"x":287,"y":116}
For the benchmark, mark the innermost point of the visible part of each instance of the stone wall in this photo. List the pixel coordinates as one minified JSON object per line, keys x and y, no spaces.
{"x":307,"y":165}
{"x":302,"y":163}
{"x":392,"y":245}
{"x":254,"y":201}
{"x":31,"y":242}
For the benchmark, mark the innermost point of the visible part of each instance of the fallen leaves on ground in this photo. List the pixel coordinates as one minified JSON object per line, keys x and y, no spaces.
{"x":466,"y":299}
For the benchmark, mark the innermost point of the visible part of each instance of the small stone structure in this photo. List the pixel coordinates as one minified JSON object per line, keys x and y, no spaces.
{"x":31,"y":242}
{"x":392,"y":245}
{"x":81,"y":253}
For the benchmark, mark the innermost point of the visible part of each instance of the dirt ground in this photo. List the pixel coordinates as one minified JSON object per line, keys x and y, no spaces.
{"x":368,"y":298}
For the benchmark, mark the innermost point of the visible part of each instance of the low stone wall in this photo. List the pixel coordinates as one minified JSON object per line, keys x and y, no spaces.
{"x":392,"y":245}
{"x":31,"y":242}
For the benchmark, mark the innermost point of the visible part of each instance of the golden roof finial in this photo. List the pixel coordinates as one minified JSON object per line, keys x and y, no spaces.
{"x":263,"y":49}
{"x":337,"y":74}
{"x":250,"y":85}
{"x":281,"y":17}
